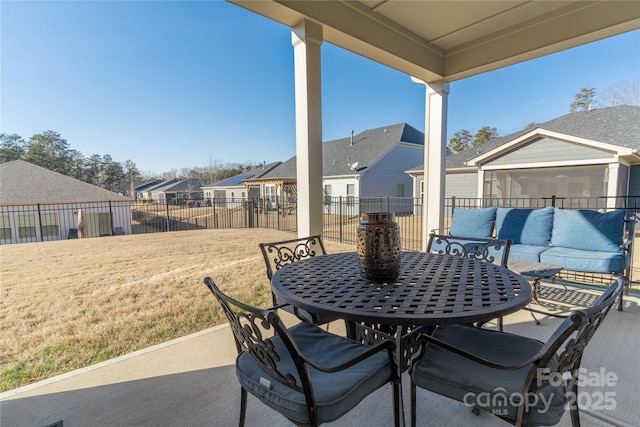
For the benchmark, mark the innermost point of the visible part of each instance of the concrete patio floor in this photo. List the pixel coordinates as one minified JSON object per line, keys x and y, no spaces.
{"x":191,"y":382}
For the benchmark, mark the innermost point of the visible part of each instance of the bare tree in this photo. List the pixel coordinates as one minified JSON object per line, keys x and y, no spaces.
{"x":625,"y":92}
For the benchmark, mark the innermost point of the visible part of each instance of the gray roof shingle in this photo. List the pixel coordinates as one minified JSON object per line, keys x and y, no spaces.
{"x":367,"y":147}
{"x":253,"y":173}
{"x":613,"y":125}
{"x":24,"y":183}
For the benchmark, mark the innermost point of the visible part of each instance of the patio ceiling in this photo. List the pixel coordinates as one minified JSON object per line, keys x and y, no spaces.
{"x":449,"y":40}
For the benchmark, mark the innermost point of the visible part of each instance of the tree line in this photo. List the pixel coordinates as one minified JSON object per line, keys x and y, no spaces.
{"x":50,"y":151}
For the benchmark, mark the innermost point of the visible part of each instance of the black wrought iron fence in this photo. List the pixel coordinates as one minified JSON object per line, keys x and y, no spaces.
{"x":342,"y":215}
{"x":41,"y":222}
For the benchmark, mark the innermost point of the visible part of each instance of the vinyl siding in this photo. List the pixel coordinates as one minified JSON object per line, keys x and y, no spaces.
{"x":461,"y":185}
{"x":543,"y":150}
{"x":381,"y":178}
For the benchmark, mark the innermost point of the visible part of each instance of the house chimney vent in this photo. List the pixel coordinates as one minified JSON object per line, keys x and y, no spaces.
{"x":351,"y":138}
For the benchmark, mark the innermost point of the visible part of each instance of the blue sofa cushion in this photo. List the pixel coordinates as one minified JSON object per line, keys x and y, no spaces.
{"x":526,"y":252}
{"x":526,"y":226}
{"x":335,"y":394}
{"x":581,"y":260}
{"x":476,"y":223}
{"x":588,"y":230}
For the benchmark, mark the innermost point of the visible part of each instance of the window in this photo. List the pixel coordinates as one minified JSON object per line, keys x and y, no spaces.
{"x":5,"y":227}
{"x":270,"y":192}
{"x":327,"y":194}
{"x":98,"y":224}
{"x":567,"y":181}
{"x":400,"y":190}
{"x":49,"y":225}
{"x":351,"y":192}
{"x":26,"y":226}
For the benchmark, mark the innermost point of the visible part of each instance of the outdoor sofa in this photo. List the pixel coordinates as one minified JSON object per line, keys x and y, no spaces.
{"x":580,"y":240}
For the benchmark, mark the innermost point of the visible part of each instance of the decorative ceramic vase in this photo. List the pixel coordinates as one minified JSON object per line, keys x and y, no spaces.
{"x":379,"y":247}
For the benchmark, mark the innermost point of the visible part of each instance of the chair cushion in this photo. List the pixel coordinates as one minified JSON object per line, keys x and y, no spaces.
{"x":335,"y":393}
{"x":588,"y":230}
{"x":588,"y":261}
{"x":526,"y":226}
{"x":473,"y":222}
{"x":474,"y":384}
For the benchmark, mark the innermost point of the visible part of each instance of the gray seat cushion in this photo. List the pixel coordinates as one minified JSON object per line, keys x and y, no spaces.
{"x":474,"y":384}
{"x":335,"y":393}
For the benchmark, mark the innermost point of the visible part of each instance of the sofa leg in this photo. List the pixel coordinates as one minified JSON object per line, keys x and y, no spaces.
{"x":627,"y":285}
{"x":620,"y":302}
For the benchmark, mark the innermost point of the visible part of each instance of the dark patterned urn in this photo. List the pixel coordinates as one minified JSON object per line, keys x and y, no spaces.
{"x":379,"y":247}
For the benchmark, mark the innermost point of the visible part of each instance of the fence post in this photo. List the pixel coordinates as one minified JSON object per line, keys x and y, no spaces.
{"x":40,"y":223}
{"x":388,"y":204}
{"x":340,"y":219}
{"x":168,"y":219}
{"x":553,"y":200}
{"x":453,"y":204}
{"x":112,"y":231}
{"x":215,"y":217}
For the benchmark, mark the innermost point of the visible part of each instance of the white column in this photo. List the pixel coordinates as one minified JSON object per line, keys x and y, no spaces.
{"x":306,"y":38}
{"x":612,"y":186}
{"x":435,"y":145}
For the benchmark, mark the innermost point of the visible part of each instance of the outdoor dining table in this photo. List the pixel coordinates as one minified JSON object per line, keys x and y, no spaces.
{"x":432,"y":289}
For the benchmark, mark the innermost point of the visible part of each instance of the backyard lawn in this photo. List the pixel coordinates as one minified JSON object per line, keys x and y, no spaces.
{"x":72,"y":303}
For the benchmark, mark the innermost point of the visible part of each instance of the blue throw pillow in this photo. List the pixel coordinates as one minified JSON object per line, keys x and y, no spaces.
{"x":476,"y":223}
{"x":525,"y":226}
{"x":588,"y":230}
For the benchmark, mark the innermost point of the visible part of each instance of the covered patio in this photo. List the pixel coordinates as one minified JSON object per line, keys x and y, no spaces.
{"x":191,"y":382}
{"x":434,"y":43}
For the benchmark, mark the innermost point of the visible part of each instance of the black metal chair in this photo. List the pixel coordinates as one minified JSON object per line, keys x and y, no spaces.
{"x":519,"y":379}
{"x":278,"y":254}
{"x":309,"y":375}
{"x":490,"y":250}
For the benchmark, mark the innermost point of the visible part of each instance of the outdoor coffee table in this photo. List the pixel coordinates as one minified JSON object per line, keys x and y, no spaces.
{"x":535,"y":271}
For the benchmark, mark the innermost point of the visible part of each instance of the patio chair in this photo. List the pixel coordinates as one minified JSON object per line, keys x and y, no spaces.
{"x":278,"y":254}
{"x":309,"y":375}
{"x":490,"y":250}
{"x":519,"y":379}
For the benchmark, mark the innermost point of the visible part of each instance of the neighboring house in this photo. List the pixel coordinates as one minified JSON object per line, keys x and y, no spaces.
{"x":147,"y":193}
{"x":234,"y":187}
{"x":369,"y":164}
{"x":585,"y":154}
{"x":37,"y":204}
{"x":178,"y":192}
{"x":142,"y":189}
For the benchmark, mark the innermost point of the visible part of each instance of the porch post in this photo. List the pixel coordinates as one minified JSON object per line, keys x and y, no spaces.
{"x":306,"y":38}
{"x":435,"y":146}
{"x":612,"y":185}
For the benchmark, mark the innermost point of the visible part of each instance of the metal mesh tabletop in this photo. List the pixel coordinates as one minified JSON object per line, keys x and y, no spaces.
{"x":431,"y":289}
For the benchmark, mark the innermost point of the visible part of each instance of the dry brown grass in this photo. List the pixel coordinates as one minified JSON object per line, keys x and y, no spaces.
{"x":69,"y":304}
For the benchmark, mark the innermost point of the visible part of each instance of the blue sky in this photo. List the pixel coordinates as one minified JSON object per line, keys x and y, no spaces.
{"x":172,"y":85}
